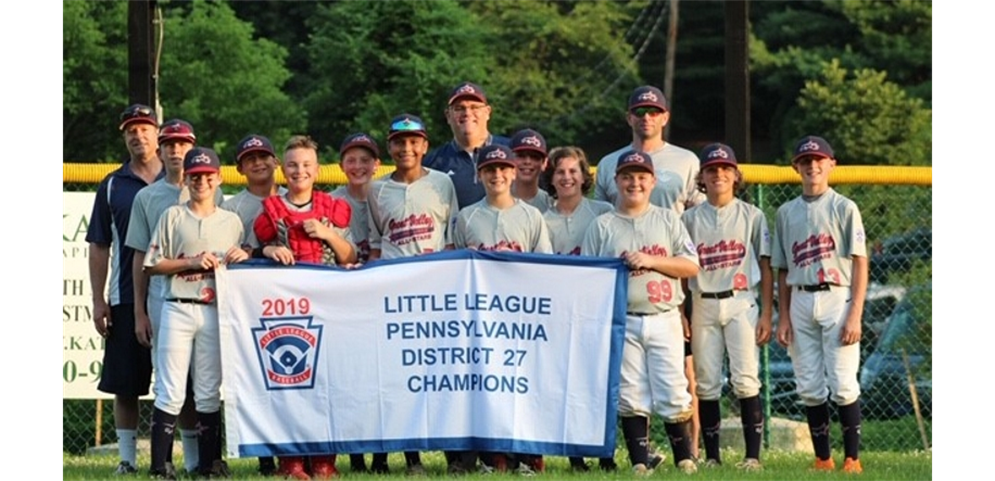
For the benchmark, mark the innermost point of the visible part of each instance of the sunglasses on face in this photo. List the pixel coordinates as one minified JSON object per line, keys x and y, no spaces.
{"x":642,"y":111}
{"x":137,"y":112}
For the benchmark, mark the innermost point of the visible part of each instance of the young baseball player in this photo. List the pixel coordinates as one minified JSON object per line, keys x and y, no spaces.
{"x":658,"y":251}
{"x":411,"y":213}
{"x":127,"y":364}
{"x":499,"y":221}
{"x":568,"y":181}
{"x":733,"y":245}
{"x":529,"y":148}
{"x":305,"y":225}
{"x":190,"y":241}
{"x":256,"y":160}
{"x":360,"y":159}
{"x":176,"y":138}
{"x":820,"y":252}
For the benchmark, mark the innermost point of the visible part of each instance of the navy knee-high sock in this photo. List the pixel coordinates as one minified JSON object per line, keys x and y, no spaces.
{"x":818,"y":427}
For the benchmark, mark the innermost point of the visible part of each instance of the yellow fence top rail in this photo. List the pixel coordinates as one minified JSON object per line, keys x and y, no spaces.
{"x":752,"y":173}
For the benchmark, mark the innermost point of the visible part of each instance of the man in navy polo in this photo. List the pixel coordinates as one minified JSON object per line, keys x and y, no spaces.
{"x":127,"y":370}
{"x":467,"y":114}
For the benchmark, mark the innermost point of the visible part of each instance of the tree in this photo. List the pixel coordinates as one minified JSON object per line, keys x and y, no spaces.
{"x":94,"y":79}
{"x":226,"y":83}
{"x":212,"y":73}
{"x":868,"y":120}
{"x":370,"y":61}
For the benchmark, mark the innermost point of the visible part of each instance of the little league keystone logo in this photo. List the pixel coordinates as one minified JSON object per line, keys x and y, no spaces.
{"x":287,"y":348}
{"x":809,"y":147}
{"x":650,"y":96}
{"x":718,"y":154}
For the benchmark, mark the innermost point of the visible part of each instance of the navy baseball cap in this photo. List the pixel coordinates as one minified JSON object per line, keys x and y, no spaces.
{"x":812,"y":145}
{"x":360,"y":140}
{"x":635,"y":159}
{"x":647,"y":96}
{"x":528,"y":139}
{"x":406,"y":124}
{"x":714,"y":154}
{"x":138,"y":113}
{"x":468,"y":90}
{"x":494,"y":154}
{"x":253,"y":143}
{"x":176,"y":129}
{"x":201,"y":159}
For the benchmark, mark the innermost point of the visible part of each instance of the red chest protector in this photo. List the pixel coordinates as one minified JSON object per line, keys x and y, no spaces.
{"x":281,"y":226}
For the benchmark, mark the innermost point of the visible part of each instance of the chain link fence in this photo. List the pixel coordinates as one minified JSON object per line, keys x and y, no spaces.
{"x":896,"y":350}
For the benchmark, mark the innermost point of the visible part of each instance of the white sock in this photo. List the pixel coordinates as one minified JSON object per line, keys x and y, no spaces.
{"x":127,"y":444}
{"x":191,"y":456}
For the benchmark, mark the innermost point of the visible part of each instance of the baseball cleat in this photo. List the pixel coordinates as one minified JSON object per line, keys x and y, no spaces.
{"x":824,"y":464}
{"x":750,"y":464}
{"x":687,"y":466}
{"x":852,"y":466}
{"x":125,"y":468}
{"x":641,"y":470}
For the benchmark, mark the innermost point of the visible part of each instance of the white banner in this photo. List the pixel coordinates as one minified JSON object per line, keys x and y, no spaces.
{"x":82,"y":347}
{"x":458,"y":350}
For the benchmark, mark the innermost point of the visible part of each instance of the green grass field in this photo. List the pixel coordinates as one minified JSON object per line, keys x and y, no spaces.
{"x":778,"y":466}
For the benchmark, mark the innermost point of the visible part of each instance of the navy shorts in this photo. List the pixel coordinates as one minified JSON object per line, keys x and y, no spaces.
{"x":127,"y":364}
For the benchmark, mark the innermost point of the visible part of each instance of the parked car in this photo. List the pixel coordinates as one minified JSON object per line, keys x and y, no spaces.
{"x":899,"y":253}
{"x":884,"y":377}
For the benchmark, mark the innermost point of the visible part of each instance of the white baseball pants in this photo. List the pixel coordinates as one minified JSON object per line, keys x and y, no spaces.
{"x":653,"y":377}
{"x":821,"y":362}
{"x":188,"y":333}
{"x":720,"y":325}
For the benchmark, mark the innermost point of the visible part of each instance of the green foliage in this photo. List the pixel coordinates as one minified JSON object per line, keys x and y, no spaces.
{"x":792,"y":42}
{"x":227,"y":84}
{"x":543,"y":77}
{"x":94,"y":77}
{"x":868,"y":120}
{"x":213,"y":74}
{"x":370,"y":61}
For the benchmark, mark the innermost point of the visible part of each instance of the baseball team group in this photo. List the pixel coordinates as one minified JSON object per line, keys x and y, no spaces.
{"x":160,"y":226}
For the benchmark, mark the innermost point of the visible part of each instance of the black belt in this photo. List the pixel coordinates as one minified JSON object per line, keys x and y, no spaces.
{"x":825,"y":286}
{"x":647,"y":313}
{"x":718,"y":295}
{"x":189,"y":301}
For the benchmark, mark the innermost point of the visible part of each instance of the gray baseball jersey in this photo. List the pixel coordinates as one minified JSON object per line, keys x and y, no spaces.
{"x":566,"y":232}
{"x":657,"y":231}
{"x":410,"y":219}
{"x":247,"y":206}
{"x":180,"y":234}
{"x":814,"y":240}
{"x":541,"y":201}
{"x":730,"y":241}
{"x":676,"y":169}
{"x":359,"y":223}
{"x":149,"y":205}
{"x":519,"y":228}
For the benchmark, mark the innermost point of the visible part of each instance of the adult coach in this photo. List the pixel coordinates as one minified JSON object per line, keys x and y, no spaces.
{"x":127,"y":364}
{"x":467,"y":114}
{"x":676,"y":168}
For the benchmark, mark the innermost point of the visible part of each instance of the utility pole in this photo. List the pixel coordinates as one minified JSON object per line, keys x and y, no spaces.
{"x":737,"y":89}
{"x":141,"y":52}
{"x":668,"y":74}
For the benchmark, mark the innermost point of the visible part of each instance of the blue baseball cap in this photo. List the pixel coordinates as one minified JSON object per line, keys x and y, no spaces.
{"x":138,"y":113}
{"x":495,"y":154}
{"x":635,"y":159}
{"x":717,"y":153}
{"x":253,"y":143}
{"x":201,"y":159}
{"x":360,"y":140}
{"x":814,"y":146}
{"x":528,"y":139}
{"x":647,"y":96}
{"x":468,"y":90}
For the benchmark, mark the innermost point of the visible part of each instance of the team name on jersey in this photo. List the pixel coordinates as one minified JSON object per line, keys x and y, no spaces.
{"x":503,"y":245}
{"x":653,"y":250}
{"x":725,"y":253}
{"x":412,"y":228}
{"x":815,"y":247}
